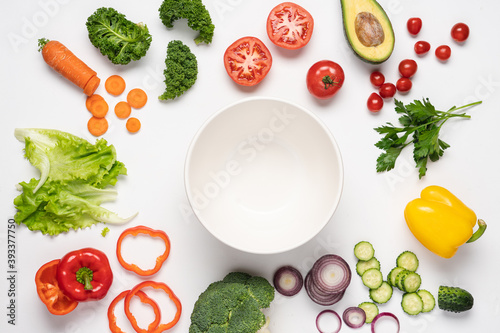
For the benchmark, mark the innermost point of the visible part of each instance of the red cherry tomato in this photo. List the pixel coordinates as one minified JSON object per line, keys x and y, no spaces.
{"x":377,"y":79}
{"x":247,"y":61}
{"x":324,"y":79}
{"x":387,"y":90}
{"x":443,"y":52}
{"x":403,"y":84}
{"x":460,"y":32}
{"x":408,"y":68}
{"x":375,"y":102}
{"x":289,"y":26}
{"x":422,"y":47}
{"x":414,"y":25}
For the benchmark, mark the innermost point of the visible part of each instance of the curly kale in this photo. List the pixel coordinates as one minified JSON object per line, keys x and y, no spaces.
{"x":181,"y":71}
{"x":232,"y":305}
{"x":116,"y":37}
{"x":194,"y":11}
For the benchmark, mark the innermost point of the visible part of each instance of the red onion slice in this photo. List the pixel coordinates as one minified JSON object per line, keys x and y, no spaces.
{"x":381,"y":317}
{"x":288,"y":281}
{"x":354,"y":317}
{"x":326,"y":316}
{"x":318,"y":296}
{"x":331,"y":274}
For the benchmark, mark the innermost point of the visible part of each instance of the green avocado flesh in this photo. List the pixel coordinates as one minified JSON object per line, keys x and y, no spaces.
{"x":368,"y":30}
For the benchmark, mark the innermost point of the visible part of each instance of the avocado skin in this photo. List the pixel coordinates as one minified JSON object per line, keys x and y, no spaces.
{"x":362,"y":57}
{"x":454,"y":299}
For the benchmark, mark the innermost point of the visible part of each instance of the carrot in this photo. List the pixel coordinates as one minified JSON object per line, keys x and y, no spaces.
{"x":122,"y":110}
{"x":63,"y":61}
{"x":99,"y":108}
{"x":90,"y":99}
{"x":97,"y":126}
{"x":115,"y":85}
{"x":133,"y":125}
{"x":137,"y":98}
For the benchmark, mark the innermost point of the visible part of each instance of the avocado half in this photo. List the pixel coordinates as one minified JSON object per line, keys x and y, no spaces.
{"x":368,"y":30}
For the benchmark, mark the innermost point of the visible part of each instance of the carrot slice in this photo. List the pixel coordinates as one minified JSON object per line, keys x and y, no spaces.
{"x":133,"y":125}
{"x":115,"y":85}
{"x":99,"y":108}
{"x":137,"y":98}
{"x":122,"y":110}
{"x":97,"y":126}
{"x":90,"y":99}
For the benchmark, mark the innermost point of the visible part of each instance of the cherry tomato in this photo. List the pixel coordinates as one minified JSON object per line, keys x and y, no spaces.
{"x":377,"y":79}
{"x":247,"y":61}
{"x":408,"y":68}
{"x":414,"y":25}
{"x":375,"y":102}
{"x":422,"y":47}
{"x":290,"y":26}
{"x":443,"y":52}
{"x":403,"y":84}
{"x":460,"y":32}
{"x":324,"y":79}
{"x":387,"y":90}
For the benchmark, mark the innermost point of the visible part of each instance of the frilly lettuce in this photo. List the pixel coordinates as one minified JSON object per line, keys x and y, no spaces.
{"x":74,"y":180}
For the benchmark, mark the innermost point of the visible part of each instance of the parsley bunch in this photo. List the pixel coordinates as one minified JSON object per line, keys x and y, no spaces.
{"x":421,"y":124}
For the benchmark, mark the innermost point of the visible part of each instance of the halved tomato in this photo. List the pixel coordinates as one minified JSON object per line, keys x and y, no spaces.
{"x":247,"y":61}
{"x":290,"y":26}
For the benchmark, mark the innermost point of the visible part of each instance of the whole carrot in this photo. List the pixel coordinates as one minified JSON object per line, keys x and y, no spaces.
{"x":63,"y":61}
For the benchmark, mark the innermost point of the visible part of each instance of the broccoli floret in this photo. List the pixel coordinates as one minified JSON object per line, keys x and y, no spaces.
{"x":181,"y":70}
{"x":232,"y":305}
{"x":116,"y":37}
{"x":194,"y":11}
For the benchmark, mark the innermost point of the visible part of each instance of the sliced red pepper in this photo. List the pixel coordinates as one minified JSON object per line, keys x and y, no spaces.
{"x":85,"y":275}
{"x":156,"y":285}
{"x":144,"y":299}
{"x":134,"y":231}
{"x":49,"y":292}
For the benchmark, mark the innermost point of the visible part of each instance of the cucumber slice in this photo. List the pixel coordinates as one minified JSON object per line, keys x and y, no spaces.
{"x":362,"y":266}
{"x":372,"y":278}
{"x":428,"y":299}
{"x":382,"y":294}
{"x":371,"y":310}
{"x":391,"y":277}
{"x":400,"y":279}
{"x":411,"y":282}
{"x":364,"y":250}
{"x":408,"y":260}
{"x":412,"y":304}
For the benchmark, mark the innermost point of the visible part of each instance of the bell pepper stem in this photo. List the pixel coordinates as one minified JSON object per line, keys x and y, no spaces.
{"x":479,"y":232}
{"x":84,"y":275}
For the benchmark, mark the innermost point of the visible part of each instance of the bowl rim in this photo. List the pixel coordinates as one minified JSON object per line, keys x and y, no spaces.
{"x":318,"y":120}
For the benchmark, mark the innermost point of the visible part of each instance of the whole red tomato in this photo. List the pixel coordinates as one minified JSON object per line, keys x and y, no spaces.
{"x":374,"y":103}
{"x":407,"y":68}
{"x":414,"y":25}
{"x":324,"y":79}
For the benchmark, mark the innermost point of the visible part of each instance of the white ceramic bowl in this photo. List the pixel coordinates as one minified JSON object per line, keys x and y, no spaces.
{"x":264,"y":175}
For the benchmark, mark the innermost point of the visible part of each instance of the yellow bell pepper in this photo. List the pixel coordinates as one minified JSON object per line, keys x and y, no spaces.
{"x":441,"y":222}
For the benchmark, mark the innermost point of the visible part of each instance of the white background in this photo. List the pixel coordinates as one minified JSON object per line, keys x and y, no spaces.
{"x":372,"y":204}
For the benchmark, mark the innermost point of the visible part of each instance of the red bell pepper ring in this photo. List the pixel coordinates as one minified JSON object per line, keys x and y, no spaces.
{"x":49,"y":292}
{"x":85,"y":275}
{"x":144,"y":299}
{"x":156,"y":285}
{"x":134,"y":231}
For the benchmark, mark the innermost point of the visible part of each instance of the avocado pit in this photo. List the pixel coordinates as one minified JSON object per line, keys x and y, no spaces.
{"x":368,"y":29}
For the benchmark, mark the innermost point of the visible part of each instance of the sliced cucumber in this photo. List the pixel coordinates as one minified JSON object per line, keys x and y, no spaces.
{"x":382,"y":294}
{"x":412,"y":304}
{"x":362,"y":265}
{"x":408,"y":260}
{"x":372,"y":278}
{"x":371,"y":310}
{"x":391,"y":277}
{"x":400,"y":278}
{"x":428,"y":299}
{"x":411,"y":282}
{"x":364,"y":251}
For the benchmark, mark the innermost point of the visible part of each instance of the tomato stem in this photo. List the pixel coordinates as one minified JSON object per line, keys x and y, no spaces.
{"x":328,"y":81}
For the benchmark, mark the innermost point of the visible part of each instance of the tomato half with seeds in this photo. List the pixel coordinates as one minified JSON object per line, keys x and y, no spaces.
{"x":324,"y":79}
{"x":247,"y":61}
{"x":290,"y":26}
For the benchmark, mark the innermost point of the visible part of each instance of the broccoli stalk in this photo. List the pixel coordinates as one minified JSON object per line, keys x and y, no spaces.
{"x":194,"y":11}
{"x":233,"y":304}
{"x":181,"y":70}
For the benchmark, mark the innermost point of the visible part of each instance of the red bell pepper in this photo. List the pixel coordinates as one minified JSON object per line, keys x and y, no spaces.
{"x":49,"y":292}
{"x":84,"y":275}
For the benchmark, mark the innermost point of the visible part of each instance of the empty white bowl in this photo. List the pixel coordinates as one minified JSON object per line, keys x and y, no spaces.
{"x":264,"y":175}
